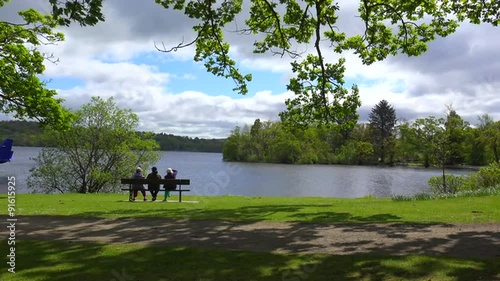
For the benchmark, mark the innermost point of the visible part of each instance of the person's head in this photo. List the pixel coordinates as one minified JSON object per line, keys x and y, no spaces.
{"x":154,"y":169}
{"x":138,"y":170}
{"x":169,"y":171}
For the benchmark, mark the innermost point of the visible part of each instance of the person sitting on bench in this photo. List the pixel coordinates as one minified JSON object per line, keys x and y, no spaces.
{"x":154,"y":188}
{"x":138,"y":186}
{"x":171,"y":186}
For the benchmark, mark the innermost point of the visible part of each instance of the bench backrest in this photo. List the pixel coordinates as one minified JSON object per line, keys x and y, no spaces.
{"x":157,"y":181}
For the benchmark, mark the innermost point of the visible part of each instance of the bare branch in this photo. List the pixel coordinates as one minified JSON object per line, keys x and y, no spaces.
{"x":176,"y":48}
{"x":51,"y":58}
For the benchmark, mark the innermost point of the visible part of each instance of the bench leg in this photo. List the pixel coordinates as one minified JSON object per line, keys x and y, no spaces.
{"x":180,"y":196}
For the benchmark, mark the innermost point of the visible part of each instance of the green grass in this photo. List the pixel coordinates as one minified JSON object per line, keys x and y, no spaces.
{"x":58,"y":260}
{"x":45,"y":260}
{"x":236,"y":208}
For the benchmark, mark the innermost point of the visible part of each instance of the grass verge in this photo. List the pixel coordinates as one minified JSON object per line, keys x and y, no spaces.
{"x":48,"y":260}
{"x":284,"y":209}
{"x":466,"y":193}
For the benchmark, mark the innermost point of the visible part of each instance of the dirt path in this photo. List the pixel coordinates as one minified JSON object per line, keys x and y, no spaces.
{"x":465,"y":240}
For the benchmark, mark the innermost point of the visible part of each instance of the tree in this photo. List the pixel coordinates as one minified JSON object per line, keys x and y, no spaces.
{"x":354,"y":152}
{"x":257,"y":141}
{"x":405,"y":150}
{"x":84,"y":12}
{"x":441,"y":149}
{"x":382,"y":121}
{"x":268,"y":131}
{"x":491,"y":137}
{"x":231,"y":148}
{"x":21,"y":91}
{"x":321,"y":100}
{"x":101,"y":147}
{"x":485,"y":120}
{"x":358,"y":149}
{"x":455,"y":127}
{"x":475,"y":148}
{"x":419,"y":137}
{"x":285,"y":148}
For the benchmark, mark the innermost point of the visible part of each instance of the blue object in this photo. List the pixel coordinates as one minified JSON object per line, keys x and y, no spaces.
{"x":6,"y":151}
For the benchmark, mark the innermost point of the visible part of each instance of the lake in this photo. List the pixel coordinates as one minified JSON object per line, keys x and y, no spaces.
{"x":211,"y":176}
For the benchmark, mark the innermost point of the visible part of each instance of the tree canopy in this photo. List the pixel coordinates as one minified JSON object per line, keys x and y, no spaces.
{"x":21,"y":90}
{"x":390,"y":27}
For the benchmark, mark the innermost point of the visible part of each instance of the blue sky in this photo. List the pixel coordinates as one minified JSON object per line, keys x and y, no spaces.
{"x":172,"y":94}
{"x":63,"y":83}
{"x":192,"y":76}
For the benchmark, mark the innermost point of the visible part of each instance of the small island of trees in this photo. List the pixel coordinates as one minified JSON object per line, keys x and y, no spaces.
{"x":428,"y":141}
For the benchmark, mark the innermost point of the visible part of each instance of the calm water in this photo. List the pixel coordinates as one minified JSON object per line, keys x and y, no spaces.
{"x":211,"y":176}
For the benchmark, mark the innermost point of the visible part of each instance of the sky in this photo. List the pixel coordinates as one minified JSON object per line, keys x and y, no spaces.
{"x":172,"y":94}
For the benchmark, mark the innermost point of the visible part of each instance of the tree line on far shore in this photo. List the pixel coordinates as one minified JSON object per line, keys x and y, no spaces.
{"x":27,"y":133}
{"x":429,"y":141}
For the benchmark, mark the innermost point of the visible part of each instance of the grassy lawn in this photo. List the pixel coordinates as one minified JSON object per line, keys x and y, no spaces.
{"x":46,"y":260}
{"x":238,"y":208}
{"x":58,"y":260}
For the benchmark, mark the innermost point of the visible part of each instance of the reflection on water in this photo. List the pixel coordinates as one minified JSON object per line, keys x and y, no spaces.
{"x":211,"y":176}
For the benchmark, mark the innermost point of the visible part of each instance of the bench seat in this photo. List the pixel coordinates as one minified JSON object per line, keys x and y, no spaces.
{"x":177,"y":182}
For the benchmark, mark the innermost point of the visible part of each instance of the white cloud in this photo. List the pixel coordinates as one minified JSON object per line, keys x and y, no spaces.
{"x":144,"y":89}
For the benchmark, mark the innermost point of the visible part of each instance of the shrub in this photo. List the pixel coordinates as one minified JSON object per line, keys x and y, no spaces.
{"x":485,"y":177}
{"x":419,"y":196}
{"x":495,"y":190}
{"x":488,"y":176}
{"x":453,"y":184}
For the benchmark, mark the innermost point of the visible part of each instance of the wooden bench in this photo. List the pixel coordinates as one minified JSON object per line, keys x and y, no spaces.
{"x":161,"y":182}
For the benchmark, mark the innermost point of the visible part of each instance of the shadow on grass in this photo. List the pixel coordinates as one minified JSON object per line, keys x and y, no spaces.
{"x":302,"y":212}
{"x":340,"y":238}
{"x":43,"y":260}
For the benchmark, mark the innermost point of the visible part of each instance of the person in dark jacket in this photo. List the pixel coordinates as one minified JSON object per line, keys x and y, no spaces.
{"x":171,"y":174}
{"x":154,"y":188}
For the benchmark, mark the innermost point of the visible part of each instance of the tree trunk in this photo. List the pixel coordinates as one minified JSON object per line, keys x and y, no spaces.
{"x":444,"y":179}
{"x":495,"y":152}
{"x":427,"y":163}
{"x":84,"y":187}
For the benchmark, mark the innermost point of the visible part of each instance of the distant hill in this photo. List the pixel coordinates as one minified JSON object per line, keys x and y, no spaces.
{"x":179,"y":143}
{"x":25,"y":133}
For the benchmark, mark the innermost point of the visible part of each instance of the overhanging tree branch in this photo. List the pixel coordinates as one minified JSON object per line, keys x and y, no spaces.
{"x":176,"y":48}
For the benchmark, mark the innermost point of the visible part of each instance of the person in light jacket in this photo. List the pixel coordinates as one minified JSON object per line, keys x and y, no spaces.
{"x":138,"y":186}
{"x":171,"y":174}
